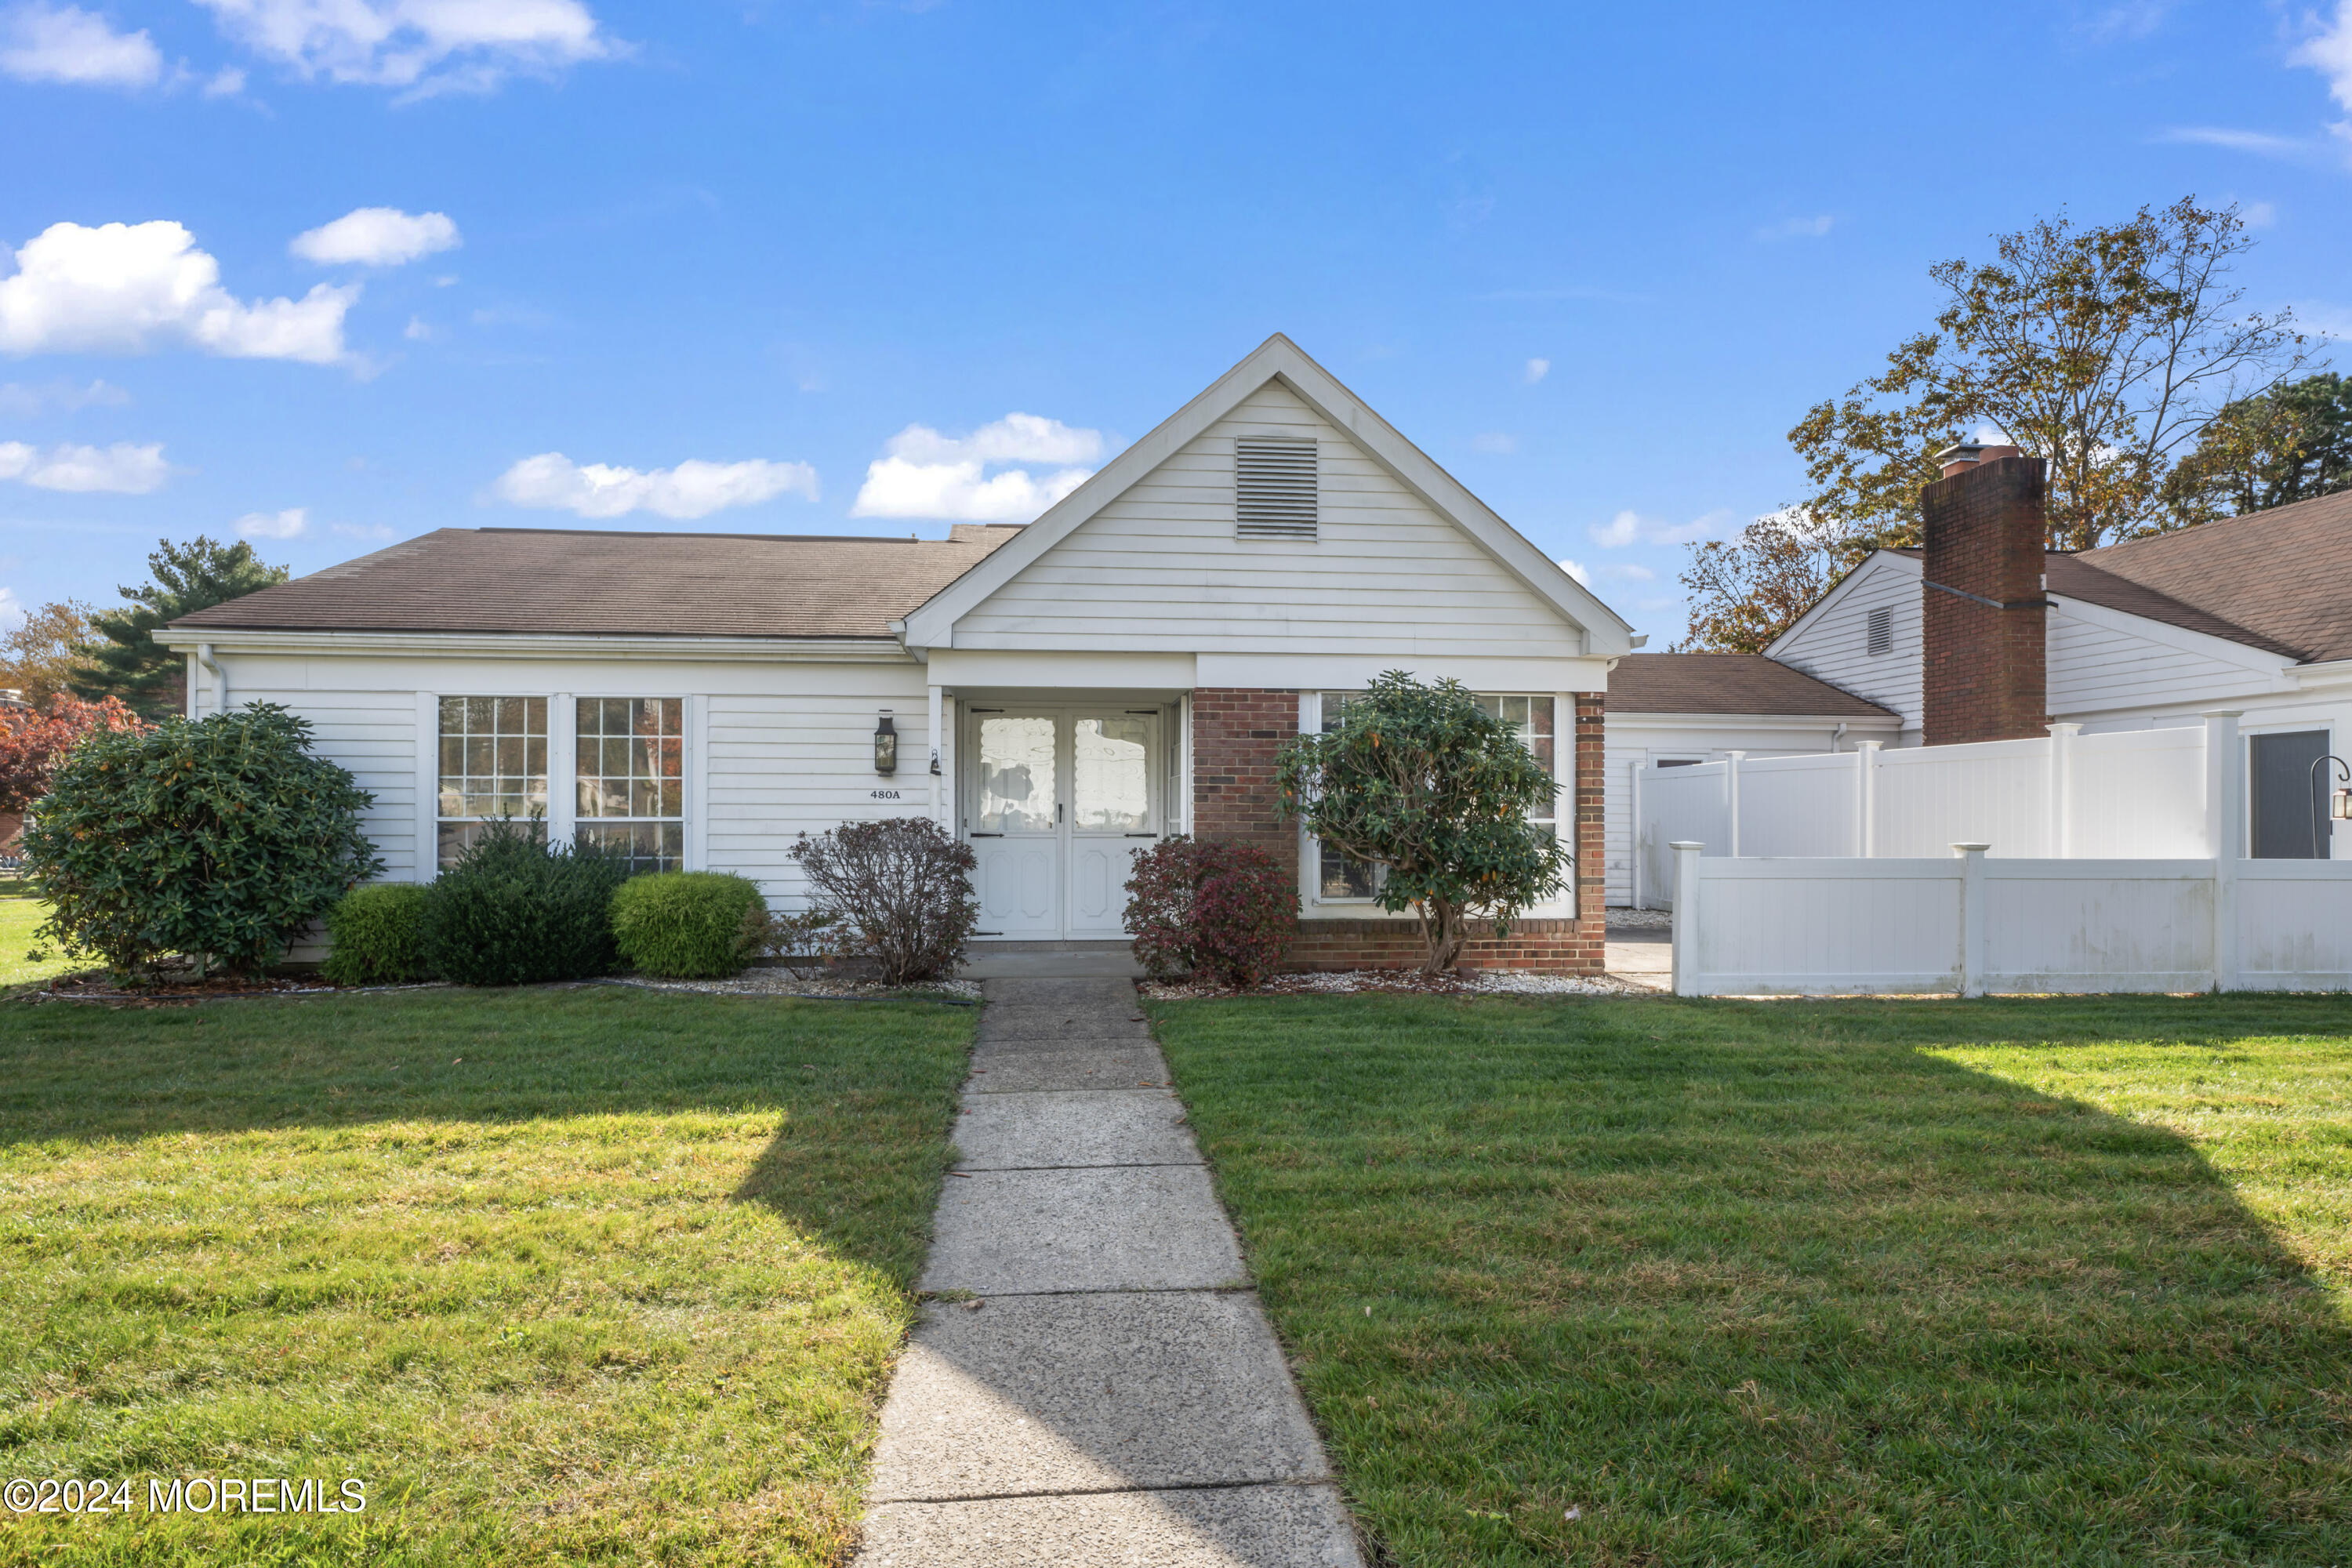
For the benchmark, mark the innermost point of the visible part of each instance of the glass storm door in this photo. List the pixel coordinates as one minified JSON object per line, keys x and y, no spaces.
{"x":1017,"y":823}
{"x":1056,"y":806}
{"x":1113,"y":814}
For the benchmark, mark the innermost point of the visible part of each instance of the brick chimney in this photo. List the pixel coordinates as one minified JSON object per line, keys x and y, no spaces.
{"x":1986,"y":653}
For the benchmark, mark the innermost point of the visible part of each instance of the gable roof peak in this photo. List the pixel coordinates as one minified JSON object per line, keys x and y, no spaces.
{"x":1606,"y":634}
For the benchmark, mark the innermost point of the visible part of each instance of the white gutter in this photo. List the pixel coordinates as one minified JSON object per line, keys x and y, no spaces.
{"x":536,"y":645}
{"x":220,"y":676}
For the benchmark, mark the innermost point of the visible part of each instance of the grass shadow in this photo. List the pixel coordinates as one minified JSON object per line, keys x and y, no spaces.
{"x":1843,"y":1283}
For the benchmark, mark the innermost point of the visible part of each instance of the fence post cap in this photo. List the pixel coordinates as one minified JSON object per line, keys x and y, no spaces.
{"x":1686,"y":844}
{"x":1970,"y":848}
{"x":2224,"y":713}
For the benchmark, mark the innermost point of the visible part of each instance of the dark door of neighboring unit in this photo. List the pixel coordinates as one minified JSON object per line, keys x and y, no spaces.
{"x":2290,"y":792}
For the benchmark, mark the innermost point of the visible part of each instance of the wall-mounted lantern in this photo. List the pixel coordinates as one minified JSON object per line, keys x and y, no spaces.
{"x":2340,"y":806}
{"x":885,"y":745}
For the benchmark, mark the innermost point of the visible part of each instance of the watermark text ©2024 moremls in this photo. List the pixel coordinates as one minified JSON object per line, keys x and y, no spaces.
{"x":184,"y":1494}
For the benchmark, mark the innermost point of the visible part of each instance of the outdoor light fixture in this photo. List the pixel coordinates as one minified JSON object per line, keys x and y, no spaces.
{"x":2340,"y":800}
{"x":885,"y":745}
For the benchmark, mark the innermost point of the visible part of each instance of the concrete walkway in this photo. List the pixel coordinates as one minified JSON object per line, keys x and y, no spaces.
{"x":1113,"y":1396}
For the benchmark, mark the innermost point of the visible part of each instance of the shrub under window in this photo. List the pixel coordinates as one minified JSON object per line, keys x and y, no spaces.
{"x":514,"y":910}
{"x":689,"y":925}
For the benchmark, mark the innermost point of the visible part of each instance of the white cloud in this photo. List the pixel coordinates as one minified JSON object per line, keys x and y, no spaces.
{"x":361,"y":531}
{"x":693,"y":488}
{"x":2236,"y":140}
{"x":1497,"y":442}
{"x":1578,"y":570}
{"x":12,"y":608}
{"x":1015,"y":438}
{"x":226,"y":82}
{"x":1631,"y":528}
{"x":377,"y":237}
{"x":40,"y":42}
{"x":121,"y":469}
{"x":1535,"y":371}
{"x":21,"y":400}
{"x":291,"y":523}
{"x":426,"y":47}
{"x":1630,"y":572}
{"x":2259,"y":215}
{"x":418,"y":331}
{"x":129,"y":288}
{"x":928,"y":475}
{"x":1799,"y":227}
{"x":2329,"y":52}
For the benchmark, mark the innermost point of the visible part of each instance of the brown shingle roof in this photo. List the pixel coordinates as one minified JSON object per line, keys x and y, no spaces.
{"x":591,"y":581}
{"x":2280,"y":580}
{"x":1728,"y":683}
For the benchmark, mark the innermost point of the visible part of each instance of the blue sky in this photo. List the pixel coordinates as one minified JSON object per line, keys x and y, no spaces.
{"x":690,"y":266}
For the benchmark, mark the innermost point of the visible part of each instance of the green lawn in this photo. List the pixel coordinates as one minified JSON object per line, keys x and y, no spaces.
{"x":2000,"y":1282}
{"x":19,"y":914}
{"x":590,"y":1275}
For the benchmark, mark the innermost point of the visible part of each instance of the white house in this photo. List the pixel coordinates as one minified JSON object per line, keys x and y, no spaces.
{"x":1061,"y":694}
{"x":1986,"y":635}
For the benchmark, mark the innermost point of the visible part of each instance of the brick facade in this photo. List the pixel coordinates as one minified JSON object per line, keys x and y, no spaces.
{"x":1986,"y":677}
{"x":1235,"y":736}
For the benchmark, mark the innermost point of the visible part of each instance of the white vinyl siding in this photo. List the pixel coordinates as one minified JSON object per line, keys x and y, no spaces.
{"x":1835,"y":646}
{"x":1159,"y":569}
{"x":371,"y":734}
{"x":2094,"y":667}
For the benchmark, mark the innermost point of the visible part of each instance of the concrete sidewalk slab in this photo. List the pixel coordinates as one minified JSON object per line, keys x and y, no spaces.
{"x":1078,"y":1394}
{"x":1024,"y":1072}
{"x":1217,"y":1527}
{"x":999,"y":1022}
{"x":1144,"y":1228}
{"x":1069,"y":1039}
{"x":1004,"y":1132}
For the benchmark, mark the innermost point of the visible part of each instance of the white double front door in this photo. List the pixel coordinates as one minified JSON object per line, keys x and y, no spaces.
{"x":1056,"y":803}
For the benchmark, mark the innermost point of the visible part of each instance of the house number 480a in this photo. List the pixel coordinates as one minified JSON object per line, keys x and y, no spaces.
{"x":884,"y":793}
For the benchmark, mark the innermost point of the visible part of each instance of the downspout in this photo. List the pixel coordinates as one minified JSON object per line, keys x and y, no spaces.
{"x":1837,"y":734}
{"x":220,"y":676}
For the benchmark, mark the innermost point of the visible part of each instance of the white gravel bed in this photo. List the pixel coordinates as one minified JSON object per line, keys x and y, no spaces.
{"x":1483,"y":983}
{"x":1641,"y":920}
{"x":785,"y":983}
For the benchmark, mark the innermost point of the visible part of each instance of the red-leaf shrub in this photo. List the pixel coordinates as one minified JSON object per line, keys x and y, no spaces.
{"x":32,"y":741}
{"x":1221,"y":912}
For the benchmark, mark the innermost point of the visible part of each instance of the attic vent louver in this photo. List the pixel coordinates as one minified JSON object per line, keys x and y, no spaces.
{"x":1274,"y":489}
{"x":1882,"y":631}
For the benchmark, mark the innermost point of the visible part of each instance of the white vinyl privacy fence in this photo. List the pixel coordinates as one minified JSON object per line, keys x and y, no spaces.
{"x":2140,"y":794}
{"x":1972,"y":924}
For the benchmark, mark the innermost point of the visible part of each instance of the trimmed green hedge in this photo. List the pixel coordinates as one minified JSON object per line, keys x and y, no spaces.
{"x":689,"y":925}
{"x":378,"y":935}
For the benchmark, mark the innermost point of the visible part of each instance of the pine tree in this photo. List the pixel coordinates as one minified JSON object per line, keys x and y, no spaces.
{"x":128,"y":664}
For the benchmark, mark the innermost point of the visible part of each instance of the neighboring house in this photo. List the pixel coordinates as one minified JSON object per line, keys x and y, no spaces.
{"x":1061,"y":694}
{"x":1667,"y":710}
{"x":1986,"y":635}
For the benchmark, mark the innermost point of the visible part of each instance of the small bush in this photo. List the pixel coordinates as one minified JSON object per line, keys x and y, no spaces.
{"x":221,"y":840}
{"x":377,"y":933}
{"x":689,"y":925}
{"x":1221,"y":912}
{"x":804,"y":941}
{"x":899,"y":890}
{"x":514,"y":912}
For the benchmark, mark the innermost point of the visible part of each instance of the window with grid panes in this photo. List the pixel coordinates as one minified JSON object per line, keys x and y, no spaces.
{"x":1342,"y":877}
{"x":631,"y":771}
{"x":493,"y":764}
